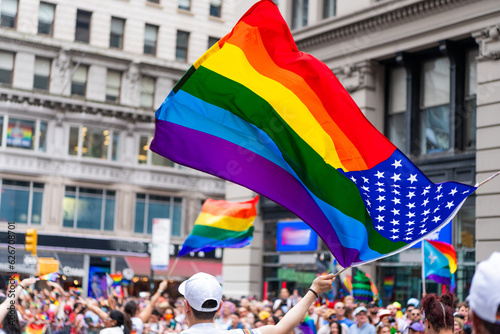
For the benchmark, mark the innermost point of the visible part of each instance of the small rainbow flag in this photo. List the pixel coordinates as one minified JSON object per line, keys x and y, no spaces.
{"x":35,"y":328}
{"x":117,"y":278}
{"x":15,"y":278}
{"x":440,"y":262}
{"x":256,"y":111}
{"x":222,"y":224}
{"x":49,"y":277}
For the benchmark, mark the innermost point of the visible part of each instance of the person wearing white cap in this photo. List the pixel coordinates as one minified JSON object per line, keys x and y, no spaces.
{"x":362,"y":325}
{"x":203,"y":294}
{"x":484,"y":297}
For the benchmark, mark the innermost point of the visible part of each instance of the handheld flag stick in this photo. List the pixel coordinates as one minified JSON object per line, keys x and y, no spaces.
{"x":488,"y":179}
{"x":172,"y":269}
{"x":423,"y":271}
{"x":340,"y":272}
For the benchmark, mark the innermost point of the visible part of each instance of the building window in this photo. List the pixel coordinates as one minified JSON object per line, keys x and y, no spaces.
{"x":21,"y":201}
{"x":82,"y":32}
{"x":147,"y":92}
{"x":6,"y":67}
{"x":431,"y":100}
{"x":79,"y":81}
{"x":23,"y":134}
{"x":8,"y":17}
{"x":184,"y":4}
{"x":215,"y":8}
{"x":148,"y":157}
{"x":113,"y":81}
{"x":181,"y":47}
{"x":116,"y":33}
{"x":150,"y":39}
{"x":148,"y":207}
{"x":93,"y":142}
{"x":435,"y":102}
{"x":469,"y":116}
{"x":46,"y":18}
{"x":397,"y":108}
{"x":300,"y":10}
{"x":154,"y":1}
{"x":89,"y":208}
{"x":329,"y":8}
{"x":42,"y":73}
{"x":212,"y":41}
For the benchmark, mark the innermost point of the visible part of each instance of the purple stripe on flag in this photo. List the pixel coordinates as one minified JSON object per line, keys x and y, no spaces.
{"x":224,"y":159}
{"x":439,"y":279}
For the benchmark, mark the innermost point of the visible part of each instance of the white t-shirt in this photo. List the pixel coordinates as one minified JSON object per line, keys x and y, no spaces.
{"x":111,"y":330}
{"x":209,"y":328}
{"x":137,"y":325}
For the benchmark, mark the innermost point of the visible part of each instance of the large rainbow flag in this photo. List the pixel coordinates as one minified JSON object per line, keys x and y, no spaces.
{"x":256,"y":111}
{"x":222,"y":224}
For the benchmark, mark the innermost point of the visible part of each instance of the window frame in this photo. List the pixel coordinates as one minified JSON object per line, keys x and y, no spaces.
{"x":38,"y":124}
{"x":120,"y":74}
{"x":15,"y":17}
{"x":328,"y":12}
{"x":75,"y":69}
{"x":157,"y":32}
{"x":171,"y":213}
{"x":455,"y":51}
{"x":9,"y":84}
{"x":89,"y":30}
{"x":182,"y":48}
{"x":109,"y":151}
{"x":300,"y":8}
{"x":30,"y":199}
{"x":103,"y":208}
{"x":53,"y":18}
{"x":212,"y":8}
{"x":182,"y":8}
{"x":122,"y":36}
{"x":48,"y":77}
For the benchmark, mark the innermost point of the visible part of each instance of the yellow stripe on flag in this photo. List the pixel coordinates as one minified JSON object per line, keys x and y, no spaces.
{"x":224,"y":222}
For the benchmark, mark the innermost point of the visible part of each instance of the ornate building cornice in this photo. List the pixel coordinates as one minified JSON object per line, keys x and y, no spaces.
{"x":381,"y":18}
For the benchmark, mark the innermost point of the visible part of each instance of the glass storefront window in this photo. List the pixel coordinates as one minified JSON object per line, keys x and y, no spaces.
{"x":93,"y":142}
{"x":23,"y":134}
{"x":21,"y":201}
{"x":147,"y":157}
{"x":148,"y":207}
{"x":89,"y":208}
{"x":397,"y":108}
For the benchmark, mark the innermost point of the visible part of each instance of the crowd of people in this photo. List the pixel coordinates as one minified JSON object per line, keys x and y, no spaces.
{"x":54,"y":310}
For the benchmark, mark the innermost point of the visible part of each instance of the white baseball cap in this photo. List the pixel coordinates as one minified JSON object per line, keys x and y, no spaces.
{"x":360,"y":309}
{"x":484,"y":297}
{"x":199,"y":288}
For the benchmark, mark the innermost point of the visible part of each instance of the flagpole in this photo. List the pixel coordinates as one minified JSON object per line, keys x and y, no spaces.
{"x":423,"y":271}
{"x":172,"y":269}
{"x":488,"y":179}
{"x":340,"y":272}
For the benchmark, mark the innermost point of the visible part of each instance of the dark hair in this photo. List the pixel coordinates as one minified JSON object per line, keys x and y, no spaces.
{"x":156,"y":312}
{"x":492,"y":328}
{"x":120,"y":320}
{"x":379,"y":327}
{"x":463,"y":304}
{"x":339,"y":326}
{"x":10,"y":323}
{"x":131,"y":308}
{"x":199,"y":315}
{"x":439,"y":311}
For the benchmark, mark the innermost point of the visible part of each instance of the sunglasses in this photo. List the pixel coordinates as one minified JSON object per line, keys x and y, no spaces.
{"x":414,"y":314}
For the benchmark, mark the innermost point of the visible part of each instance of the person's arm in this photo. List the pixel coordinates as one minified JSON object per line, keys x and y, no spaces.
{"x":103,"y":315}
{"x":293,"y":317}
{"x":12,"y":295}
{"x":146,"y":312}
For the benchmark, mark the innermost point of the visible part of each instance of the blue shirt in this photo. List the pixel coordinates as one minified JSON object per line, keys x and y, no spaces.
{"x":347,"y":321}
{"x":366,"y":329}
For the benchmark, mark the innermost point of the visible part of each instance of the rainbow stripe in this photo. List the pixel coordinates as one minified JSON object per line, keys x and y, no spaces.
{"x":49,"y":277}
{"x":448,"y":251}
{"x":222,"y":224}
{"x":117,"y":278}
{"x":257,"y":112}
